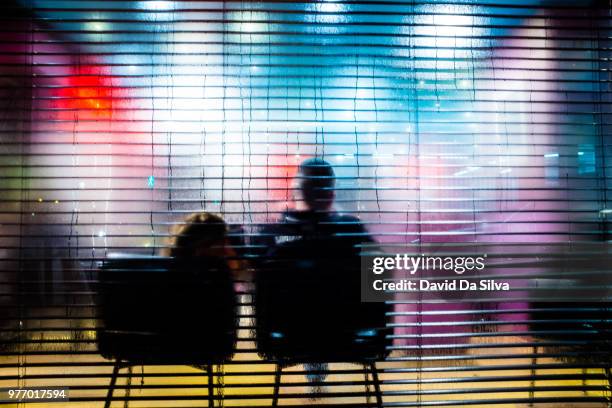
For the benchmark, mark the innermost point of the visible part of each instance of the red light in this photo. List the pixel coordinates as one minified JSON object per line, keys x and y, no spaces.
{"x":89,"y":89}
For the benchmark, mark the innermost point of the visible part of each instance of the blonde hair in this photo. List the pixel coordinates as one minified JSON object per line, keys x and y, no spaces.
{"x":198,"y":229}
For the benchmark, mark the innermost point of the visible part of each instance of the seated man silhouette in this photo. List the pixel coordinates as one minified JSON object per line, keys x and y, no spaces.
{"x":314,"y":222}
{"x":311,"y":271}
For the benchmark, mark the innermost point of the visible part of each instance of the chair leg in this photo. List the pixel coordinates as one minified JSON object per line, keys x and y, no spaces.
{"x":379,"y":401}
{"x":367,"y":383}
{"x":128,"y":388}
{"x":277,"y":379}
{"x":211,"y":395}
{"x":111,"y":386}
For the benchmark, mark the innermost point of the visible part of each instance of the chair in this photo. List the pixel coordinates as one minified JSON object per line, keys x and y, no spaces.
{"x":309,"y":311}
{"x":157,"y":310}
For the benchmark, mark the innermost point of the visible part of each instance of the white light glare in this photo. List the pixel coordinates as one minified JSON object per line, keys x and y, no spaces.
{"x":249,"y":27}
{"x":330,"y":6}
{"x":96,"y":26}
{"x":157,"y":5}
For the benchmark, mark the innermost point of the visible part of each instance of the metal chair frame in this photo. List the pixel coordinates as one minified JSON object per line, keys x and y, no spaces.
{"x":119,"y":365}
{"x":367,"y":366}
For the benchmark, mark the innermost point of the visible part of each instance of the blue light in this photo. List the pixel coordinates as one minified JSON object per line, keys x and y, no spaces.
{"x":276,"y":335}
{"x":151,"y":181}
{"x":366,"y":333}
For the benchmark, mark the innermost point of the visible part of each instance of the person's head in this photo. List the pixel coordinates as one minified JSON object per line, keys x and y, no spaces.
{"x":315,"y":182}
{"x":200,"y":234}
{"x":206,"y":235}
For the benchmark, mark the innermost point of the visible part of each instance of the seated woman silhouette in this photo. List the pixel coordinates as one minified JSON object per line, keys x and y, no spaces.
{"x":202,"y":234}
{"x":203,"y":251}
{"x":177,"y":309}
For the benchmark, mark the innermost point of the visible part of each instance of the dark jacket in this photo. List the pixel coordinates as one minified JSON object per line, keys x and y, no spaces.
{"x":308,"y":295}
{"x":314,"y":234}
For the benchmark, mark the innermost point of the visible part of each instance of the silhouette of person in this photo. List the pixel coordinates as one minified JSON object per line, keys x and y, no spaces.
{"x":317,"y":249}
{"x":179,"y":308}
{"x":203,"y":234}
{"x":206,"y":235}
{"x":314,"y":222}
{"x":203,"y":249}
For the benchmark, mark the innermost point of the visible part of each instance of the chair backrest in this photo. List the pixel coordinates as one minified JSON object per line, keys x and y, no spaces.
{"x":308,"y":305}
{"x":160,"y":310}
